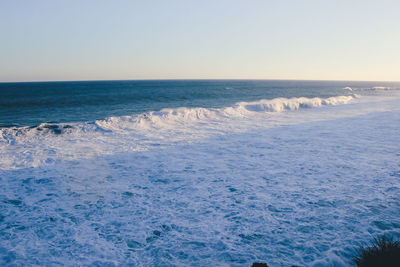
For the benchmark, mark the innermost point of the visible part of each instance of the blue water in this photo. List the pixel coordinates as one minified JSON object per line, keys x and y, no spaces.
{"x":32,"y":103}
{"x":196,"y":173}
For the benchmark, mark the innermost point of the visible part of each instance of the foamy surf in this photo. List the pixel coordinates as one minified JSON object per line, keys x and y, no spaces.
{"x":33,"y":146}
{"x":383,"y":88}
{"x":181,"y":116}
{"x":289,"y":188}
{"x":290,"y":181}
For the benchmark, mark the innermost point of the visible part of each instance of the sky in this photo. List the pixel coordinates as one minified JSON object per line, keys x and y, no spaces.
{"x":50,"y":40}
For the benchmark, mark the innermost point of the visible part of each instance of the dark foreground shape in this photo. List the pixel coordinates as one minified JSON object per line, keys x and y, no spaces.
{"x":384,"y":252}
{"x":259,"y":264}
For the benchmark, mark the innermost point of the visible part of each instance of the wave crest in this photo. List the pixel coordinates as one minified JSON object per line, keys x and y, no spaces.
{"x":284,"y":104}
{"x":33,"y":146}
{"x":168,"y":117}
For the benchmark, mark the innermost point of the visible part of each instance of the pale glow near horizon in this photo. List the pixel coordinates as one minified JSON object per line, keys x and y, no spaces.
{"x":90,"y":40}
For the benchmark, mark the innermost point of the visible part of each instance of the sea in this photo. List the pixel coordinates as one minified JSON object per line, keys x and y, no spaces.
{"x":197,"y":172}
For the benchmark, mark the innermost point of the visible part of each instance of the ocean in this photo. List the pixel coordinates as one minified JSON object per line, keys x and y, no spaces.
{"x":29,"y":104}
{"x":197,"y":172}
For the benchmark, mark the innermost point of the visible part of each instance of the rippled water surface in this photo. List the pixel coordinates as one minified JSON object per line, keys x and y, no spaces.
{"x":287,"y":181}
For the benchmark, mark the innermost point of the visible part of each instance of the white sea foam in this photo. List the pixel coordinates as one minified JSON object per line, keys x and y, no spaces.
{"x":183,"y":115}
{"x":382,"y":88}
{"x":33,"y":146}
{"x":371,"y":89}
{"x":280,"y":181}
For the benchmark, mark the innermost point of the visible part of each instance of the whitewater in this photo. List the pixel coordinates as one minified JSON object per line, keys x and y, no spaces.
{"x":287,"y":181}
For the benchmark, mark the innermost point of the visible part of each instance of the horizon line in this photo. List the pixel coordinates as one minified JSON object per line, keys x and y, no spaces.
{"x":197,"y":79}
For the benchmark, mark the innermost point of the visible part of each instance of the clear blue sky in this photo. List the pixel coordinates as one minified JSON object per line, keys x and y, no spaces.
{"x":298,"y":39}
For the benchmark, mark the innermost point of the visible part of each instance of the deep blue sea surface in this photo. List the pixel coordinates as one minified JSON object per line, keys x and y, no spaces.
{"x":32,"y":103}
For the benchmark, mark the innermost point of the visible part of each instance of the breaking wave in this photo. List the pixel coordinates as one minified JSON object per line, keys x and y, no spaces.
{"x":35,"y":145}
{"x":374,"y":88}
{"x":383,"y":88}
{"x":178,"y":115}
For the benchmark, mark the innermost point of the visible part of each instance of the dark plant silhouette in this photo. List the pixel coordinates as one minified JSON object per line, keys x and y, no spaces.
{"x":383,"y":252}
